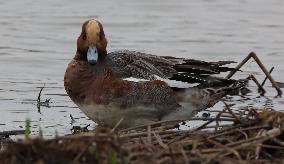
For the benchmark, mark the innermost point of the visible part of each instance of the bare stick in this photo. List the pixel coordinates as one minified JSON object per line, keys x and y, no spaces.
{"x":39,"y":103}
{"x":39,"y":95}
{"x":260,"y":88}
{"x":265,"y":136}
{"x":177,"y":121}
{"x":232,"y":113}
{"x":161,"y":143}
{"x":254,"y":56}
{"x":270,"y":71}
{"x":233,"y":130}
{"x":149,"y":135}
{"x":116,"y":125}
{"x":203,"y":125}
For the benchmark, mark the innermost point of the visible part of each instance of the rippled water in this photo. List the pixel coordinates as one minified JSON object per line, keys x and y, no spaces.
{"x":38,"y":38}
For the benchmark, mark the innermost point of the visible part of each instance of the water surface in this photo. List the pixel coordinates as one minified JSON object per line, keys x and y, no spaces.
{"x":38,"y":39}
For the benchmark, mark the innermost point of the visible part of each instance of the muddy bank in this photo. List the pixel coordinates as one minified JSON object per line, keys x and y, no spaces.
{"x":247,"y":137}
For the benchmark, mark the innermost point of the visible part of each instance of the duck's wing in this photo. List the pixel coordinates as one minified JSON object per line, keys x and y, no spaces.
{"x":132,"y":64}
{"x":126,"y":64}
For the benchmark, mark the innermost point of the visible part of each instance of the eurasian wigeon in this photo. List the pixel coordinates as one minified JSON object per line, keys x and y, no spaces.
{"x":105,"y":86}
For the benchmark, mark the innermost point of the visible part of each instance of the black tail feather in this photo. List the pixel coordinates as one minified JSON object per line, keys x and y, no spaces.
{"x":197,"y":71}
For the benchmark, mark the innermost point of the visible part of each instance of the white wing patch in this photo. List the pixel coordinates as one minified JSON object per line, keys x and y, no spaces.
{"x":177,"y":84}
{"x":135,"y":79}
{"x":171,"y":83}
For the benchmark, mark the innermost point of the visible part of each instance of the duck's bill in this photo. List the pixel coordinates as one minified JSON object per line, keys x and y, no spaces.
{"x":92,"y":55}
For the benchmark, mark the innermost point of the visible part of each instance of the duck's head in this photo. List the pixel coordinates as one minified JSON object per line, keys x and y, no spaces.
{"x":91,"y":44}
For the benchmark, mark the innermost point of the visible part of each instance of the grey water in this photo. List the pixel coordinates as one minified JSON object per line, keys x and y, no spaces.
{"x":38,"y":39}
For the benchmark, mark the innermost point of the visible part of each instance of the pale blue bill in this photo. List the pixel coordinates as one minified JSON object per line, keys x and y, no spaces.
{"x":92,"y":55}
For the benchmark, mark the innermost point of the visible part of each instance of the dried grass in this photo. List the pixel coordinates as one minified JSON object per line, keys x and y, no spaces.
{"x":252,"y":137}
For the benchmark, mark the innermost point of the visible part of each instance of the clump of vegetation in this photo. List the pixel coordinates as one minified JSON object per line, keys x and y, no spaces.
{"x":252,"y":137}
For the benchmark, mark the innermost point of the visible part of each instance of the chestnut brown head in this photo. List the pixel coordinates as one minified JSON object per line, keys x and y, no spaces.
{"x":91,"y":44}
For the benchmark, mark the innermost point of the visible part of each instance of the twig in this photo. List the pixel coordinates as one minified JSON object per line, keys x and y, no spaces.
{"x":257,"y":150}
{"x":260,"y":88}
{"x":116,"y":125}
{"x":270,"y":71}
{"x":220,"y":126}
{"x":39,"y":103}
{"x":161,"y":143}
{"x":232,"y":130}
{"x":72,"y":119}
{"x":203,"y":125}
{"x":254,"y":56}
{"x":144,"y":134}
{"x":172,"y":121}
{"x":244,"y":133}
{"x":273,"y":146}
{"x":39,"y":100}
{"x":265,"y":136}
{"x":217,"y":119}
{"x":186,"y":161}
{"x":159,"y":123}
{"x":76,"y":159}
{"x":149,"y":135}
{"x":39,"y":95}
{"x":225,"y":148}
{"x":278,"y":141}
{"x":232,"y":113}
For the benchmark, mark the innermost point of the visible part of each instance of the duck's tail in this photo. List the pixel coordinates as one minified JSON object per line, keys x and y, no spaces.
{"x":204,"y":97}
{"x":197,"y":71}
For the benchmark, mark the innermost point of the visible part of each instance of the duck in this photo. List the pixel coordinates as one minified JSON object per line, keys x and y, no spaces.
{"x":135,"y":87}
